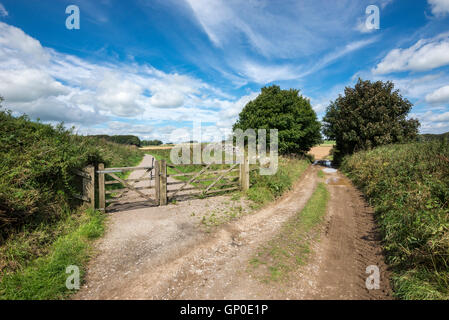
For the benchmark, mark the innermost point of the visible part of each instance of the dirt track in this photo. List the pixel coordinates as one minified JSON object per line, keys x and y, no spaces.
{"x":163,"y":253}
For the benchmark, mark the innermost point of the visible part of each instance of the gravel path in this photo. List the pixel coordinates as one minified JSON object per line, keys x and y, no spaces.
{"x":166,"y":253}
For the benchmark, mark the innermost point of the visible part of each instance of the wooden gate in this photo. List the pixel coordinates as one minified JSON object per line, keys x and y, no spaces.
{"x":160,"y":183}
{"x":208,"y":180}
{"x":121,"y":189}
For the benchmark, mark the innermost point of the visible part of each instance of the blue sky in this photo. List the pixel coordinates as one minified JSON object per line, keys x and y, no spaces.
{"x":150,"y":68}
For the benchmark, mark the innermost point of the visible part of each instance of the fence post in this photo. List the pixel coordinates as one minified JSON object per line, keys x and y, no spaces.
{"x":89,"y":190}
{"x":157,"y":181}
{"x":244,"y":174}
{"x":163,"y":185}
{"x":101,"y":189}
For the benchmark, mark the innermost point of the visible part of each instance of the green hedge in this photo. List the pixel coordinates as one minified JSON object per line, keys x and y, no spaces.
{"x":36,"y":168}
{"x":409,"y":187}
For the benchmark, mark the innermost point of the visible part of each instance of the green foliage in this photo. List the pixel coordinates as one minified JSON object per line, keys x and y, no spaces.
{"x":370,"y":115}
{"x":267,"y":188}
{"x":42,"y":228}
{"x":121,"y":139}
{"x":287,"y":111}
{"x":36,"y":169}
{"x":430,"y":137}
{"x":45,"y":277}
{"x":151,"y":142}
{"x":408,"y":185}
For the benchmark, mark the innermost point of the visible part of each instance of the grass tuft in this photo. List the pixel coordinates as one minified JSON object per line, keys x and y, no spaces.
{"x":265,"y":189}
{"x":291,"y":248}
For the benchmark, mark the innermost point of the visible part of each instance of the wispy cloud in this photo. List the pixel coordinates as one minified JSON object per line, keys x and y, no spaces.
{"x":3,"y":11}
{"x":272,"y":30}
{"x":54,"y":86}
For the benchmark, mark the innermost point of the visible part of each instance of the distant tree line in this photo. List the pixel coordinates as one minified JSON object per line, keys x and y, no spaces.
{"x":129,"y":140}
{"x":121,"y":139}
{"x":431,"y":137}
{"x":151,"y":142}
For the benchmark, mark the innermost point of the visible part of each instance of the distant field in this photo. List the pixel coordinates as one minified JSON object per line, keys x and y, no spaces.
{"x":156,"y":148}
{"x":328,"y":143}
{"x":321,"y":152}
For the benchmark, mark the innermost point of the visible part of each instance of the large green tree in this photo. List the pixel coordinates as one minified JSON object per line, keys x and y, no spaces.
{"x":287,"y":111}
{"x":369,"y":115}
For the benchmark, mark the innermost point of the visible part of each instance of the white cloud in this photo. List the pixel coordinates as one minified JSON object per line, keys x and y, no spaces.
{"x":433,"y":122}
{"x":119,"y":95}
{"x":229,"y":110}
{"x":3,"y":12}
{"x":263,"y":74}
{"x":272,"y":30}
{"x":361,"y":26}
{"x":57,"y":110}
{"x":52,"y":86}
{"x":26,"y":85}
{"x":439,"y":7}
{"x":19,"y":49}
{"x":426,"y":54}
{"x":440,"y":95}
{"x":33,"y":77}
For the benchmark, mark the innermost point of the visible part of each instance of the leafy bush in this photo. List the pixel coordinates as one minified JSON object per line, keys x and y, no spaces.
{"x":369,"y":115}
{"x":267,"y":188}
{"x":287,"y":111}
{"x":408,"y":185}
{"x":36,"y":168}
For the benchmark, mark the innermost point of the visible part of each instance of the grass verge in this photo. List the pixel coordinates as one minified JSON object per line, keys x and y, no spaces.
{"x":283,"y":254}
{"x":41,"y":223}
{"x":265,"y":189}
{"x":408,"y":185}
{"x":44,"y":277}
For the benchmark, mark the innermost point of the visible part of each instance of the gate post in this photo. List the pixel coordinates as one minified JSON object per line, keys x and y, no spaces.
{"x":244,"y":174}
{"x":89,"y":185}
{"x":163,"y":184}
{"x":101,"y":189}
{"x":157,"y":181}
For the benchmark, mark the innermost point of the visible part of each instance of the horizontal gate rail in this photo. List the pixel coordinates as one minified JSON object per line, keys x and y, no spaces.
{"x":115,"y":170}
{"x":120,"y":191}
{"x":128,"y":180}
{"x":193,"y":179}
{"x":193,"y":173}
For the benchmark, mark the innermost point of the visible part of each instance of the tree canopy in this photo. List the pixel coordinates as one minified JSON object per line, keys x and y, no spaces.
{"x":369,"y":115}
{"x":287,"y":111}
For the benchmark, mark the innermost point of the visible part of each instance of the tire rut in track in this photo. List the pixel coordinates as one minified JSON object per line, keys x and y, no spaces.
{"x":350,"y":243}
